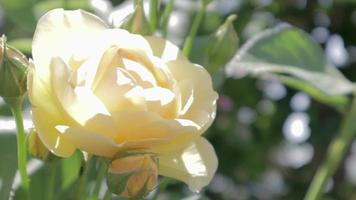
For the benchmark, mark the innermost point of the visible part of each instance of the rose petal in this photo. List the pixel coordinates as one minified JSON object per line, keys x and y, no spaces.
{"x":98,"y":144}
{"x":63,"y":34}
{"x":50,"y":137}
{"x":117,"y":83}
{"x":164,"y":49}
{"x":202,"y":109}
{"x":136,"y":126}
{"x":195,"y":165}
{"x":89,"y":141}
{"x":141,"y":74}
{"x":79,"y":103}
{"x":38,"y":91}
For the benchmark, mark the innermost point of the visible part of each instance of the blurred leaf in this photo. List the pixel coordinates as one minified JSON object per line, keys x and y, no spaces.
{"x":291,"y":56}
{"x":22,"y":44}
{"x":8,"y":164}
{"x":44,"y":6}
{"x":206,"y":2}
{"x":338,"y":101}
{"x":20,"y":13}
{"x":70,"y":169}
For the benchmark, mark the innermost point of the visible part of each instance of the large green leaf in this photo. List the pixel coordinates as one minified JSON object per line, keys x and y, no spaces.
{"x":288,"y":54}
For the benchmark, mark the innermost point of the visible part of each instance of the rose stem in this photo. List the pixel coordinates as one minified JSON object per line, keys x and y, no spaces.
{"x":99,"y":178}
{"x":335,"y":154}
{"x":153,"y":14}
{"x":107,"y":195}
{"x":80,"y":193}
{"x":164,"y":182}
{"x":194,"y":29}
{"x":16,"y":109}
{"x":165,"y":17}
{"x":51,"y":173}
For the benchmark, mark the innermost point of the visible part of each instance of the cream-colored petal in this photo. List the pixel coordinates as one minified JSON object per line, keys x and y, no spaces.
{"x":187,"y":96}
{"x":97,"y":144}
{"x":64,"y":34}
{"x":89,"y":141}
{"x":109,"y":62}
{"x":164,"y":49}
{"x":141,"y":74}
{"x":134,"y":126}
{"x":194,"y":79}
{"x":195,"y":165}
{"x":117,"y":83}
{"x":125,"y":40}
{"x":158,"y":99}
{"x":79,"y":103}
{"x":51,"y":138}
{"x":38,"y":91}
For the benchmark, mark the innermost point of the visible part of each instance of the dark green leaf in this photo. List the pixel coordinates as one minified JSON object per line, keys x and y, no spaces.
{"x":290,"y":55}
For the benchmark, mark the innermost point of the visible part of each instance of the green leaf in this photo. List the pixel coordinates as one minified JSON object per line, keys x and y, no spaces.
{"x":288,"y":54}
{"x":70,"y":169}
{"x":117,"y":182}
{"x":20,"y":13}
{"x":22,"y":44}
{"x":8,"y":165}
{"x":44,"y":6}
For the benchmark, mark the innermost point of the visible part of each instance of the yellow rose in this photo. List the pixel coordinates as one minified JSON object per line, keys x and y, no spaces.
{"x":104,"y":90}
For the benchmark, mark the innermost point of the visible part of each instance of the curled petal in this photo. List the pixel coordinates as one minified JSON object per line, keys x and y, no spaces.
{"x":198,"y":100}
{"x":164,"y":49}
{"x":195,"y":165}
{"x":50,"y":137}
{"x":63,"y":34}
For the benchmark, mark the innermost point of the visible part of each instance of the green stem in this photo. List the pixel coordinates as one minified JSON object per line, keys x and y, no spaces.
{"x":194,"y":29}
{"x":335,"y":154}
{"x":99,"y":179}
{"x":153,"y":14}
{"x":51,"y":173}
{"x":80,"y":193}
{"x":165,"y":17}
{"x":66,"y":4}
{"x":162,"y":186}
{"x":107,"y":195}
{"x":16,"y":109}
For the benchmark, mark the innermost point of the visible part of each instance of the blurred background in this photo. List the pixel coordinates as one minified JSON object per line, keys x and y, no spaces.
{"x":269,"y":138}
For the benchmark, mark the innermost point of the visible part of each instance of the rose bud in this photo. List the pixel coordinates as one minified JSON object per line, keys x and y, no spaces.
{"x":136,"y":22}
{"x":221,"y":46}
{"x":13,"y":71}
{"x":133,"y":176}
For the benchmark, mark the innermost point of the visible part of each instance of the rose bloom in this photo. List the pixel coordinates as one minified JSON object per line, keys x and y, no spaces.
{"x":103,"y":91}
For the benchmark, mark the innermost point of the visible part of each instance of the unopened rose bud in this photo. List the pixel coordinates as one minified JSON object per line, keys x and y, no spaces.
{"x":133,"y":176}
{"x":36,"y":147}
{"x":137,"y":22}
{"x":13,"y":71}
{"x":221,"y":46}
